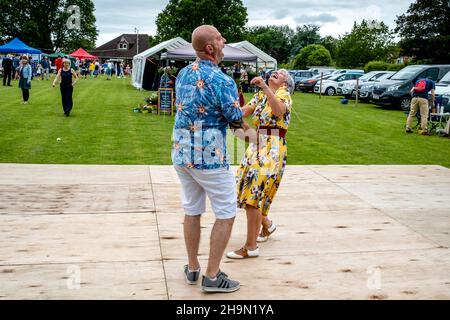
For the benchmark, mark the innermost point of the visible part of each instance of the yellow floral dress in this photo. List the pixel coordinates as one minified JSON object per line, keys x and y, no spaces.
{"x":260,"y":172}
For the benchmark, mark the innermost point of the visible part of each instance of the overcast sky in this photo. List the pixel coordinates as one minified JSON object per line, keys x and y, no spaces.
{"x":334,"y":16}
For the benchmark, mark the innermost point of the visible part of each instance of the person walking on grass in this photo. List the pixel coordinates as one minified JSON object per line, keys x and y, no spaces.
{"x":67,"y":78}
{"x":207,"y":102}
{"x":25,"y":74}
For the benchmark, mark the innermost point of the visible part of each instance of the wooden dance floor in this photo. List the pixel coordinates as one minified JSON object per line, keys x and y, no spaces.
{"x":115,"y":232}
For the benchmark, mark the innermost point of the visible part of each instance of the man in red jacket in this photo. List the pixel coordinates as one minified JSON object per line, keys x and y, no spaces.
{"x":58,"y":64}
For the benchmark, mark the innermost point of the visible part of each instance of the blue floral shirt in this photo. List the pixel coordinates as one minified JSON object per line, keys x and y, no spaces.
{"x":206,"y":102}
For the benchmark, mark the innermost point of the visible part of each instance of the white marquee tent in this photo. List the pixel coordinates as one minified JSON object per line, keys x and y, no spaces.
{"x":140,"y":60}
{"x":264,"y":60}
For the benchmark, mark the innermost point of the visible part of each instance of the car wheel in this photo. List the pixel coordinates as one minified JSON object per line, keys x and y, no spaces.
{"x":405,"y":104}
{"x":330,"y":91}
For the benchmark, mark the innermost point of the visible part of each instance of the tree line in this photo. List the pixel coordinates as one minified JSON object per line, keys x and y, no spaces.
{"x":49,"y":25}
{"x":424,"y":31}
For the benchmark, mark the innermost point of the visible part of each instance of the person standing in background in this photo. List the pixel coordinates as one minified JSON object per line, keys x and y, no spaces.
{"x":419,"y":103}
{"x":25,"y":74}
{"x":58,"y":64}
{"x":7,"y":65}
{"x":45,"y":69}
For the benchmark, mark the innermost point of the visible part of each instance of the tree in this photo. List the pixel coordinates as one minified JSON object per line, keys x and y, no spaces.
{"x":369,"y":40}
{"x":425,"y":31}
{"x":70,"y":39}
{"x":312,"y":55}
{"x":43,"y":24}
{"x":319,"y":57}
{"x":179,"y":18}
{"x":305,"y":35}
{"x":274,"y":40}
{"x":329,"y":42}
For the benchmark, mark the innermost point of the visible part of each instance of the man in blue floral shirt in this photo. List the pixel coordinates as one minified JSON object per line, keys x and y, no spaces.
{"x":207,"y":102}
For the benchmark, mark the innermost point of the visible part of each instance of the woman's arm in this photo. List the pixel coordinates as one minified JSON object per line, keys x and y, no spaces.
{"x":74,"y":74}
{"x":30,"y":73}
{"x":247,"y":111}
{"x":277,"y":106}
{"x":58,"y":78}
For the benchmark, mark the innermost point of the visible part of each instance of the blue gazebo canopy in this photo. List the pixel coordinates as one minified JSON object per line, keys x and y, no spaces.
{"x":17,"y":46}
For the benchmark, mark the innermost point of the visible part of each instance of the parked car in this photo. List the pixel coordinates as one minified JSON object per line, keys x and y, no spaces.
{"x":347,"y":87}
{"x":365,"y":88}
{"x":301,"y":75}
{"x":324,"y":70}
{"x":307,"y":85}
{"x":396,"y":90}
{"x":446,"y":102}
{"x":443,"y":85}
{"x":442,"y":92}
{"x":292,"y":72}
{"x":329,"y":86}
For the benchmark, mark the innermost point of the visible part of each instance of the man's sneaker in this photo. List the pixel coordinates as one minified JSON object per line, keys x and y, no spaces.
{"x":243,"y":253}
{"x":424,"y":132}
{"x":408,"y":130}
{"x":191,"y":276}
{"x":266,"y":232}
{"x":221,"y":284}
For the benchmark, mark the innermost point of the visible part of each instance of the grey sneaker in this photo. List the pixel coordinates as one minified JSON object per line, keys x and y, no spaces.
{"x":191,"y":277}
{"x":221,"y":284}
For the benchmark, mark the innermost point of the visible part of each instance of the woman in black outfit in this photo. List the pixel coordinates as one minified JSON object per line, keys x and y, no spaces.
{"x":65,"y":75}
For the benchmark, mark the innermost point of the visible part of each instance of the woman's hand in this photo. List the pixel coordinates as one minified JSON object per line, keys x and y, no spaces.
{"x":259,"y":81}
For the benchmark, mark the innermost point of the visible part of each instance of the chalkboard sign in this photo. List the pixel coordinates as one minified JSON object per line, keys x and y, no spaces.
{"x":165,"y":100}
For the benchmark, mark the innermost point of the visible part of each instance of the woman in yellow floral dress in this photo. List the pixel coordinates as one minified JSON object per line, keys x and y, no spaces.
{"x":262,"y":167}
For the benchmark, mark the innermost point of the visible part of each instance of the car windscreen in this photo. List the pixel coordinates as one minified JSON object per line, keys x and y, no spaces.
{"x":407,"y":73}
{"x":368,"y":76}
{"x":445,"y":79}
{"x":385,"y":76}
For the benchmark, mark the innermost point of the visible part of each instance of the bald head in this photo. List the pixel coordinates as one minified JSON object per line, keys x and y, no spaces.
{"x":208,"y":43}
{"x":202,"y":36}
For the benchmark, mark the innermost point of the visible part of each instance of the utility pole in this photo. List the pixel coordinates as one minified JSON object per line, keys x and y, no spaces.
{"x":137,"y":40}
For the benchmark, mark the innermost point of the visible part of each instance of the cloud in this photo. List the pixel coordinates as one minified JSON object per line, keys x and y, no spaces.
{"x":321,"y":18}
{"x":335,"y":17}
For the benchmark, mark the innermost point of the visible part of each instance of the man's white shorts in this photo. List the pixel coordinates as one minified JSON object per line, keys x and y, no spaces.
{"x":218,"y":184}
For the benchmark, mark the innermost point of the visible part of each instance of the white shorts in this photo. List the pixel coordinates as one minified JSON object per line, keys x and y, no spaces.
{"x":218,"y":184}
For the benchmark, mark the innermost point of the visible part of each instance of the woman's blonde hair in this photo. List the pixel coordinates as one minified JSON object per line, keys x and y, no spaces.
{"x":66,"y":60}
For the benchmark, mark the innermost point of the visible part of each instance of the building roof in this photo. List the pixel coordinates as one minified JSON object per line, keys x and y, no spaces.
{"x":110,"y":49}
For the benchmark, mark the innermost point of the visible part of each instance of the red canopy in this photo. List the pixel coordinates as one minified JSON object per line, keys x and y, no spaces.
{"x":82,"y":54}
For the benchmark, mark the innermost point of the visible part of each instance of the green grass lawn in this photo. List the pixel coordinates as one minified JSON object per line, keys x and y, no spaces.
{"x":103,"y":129}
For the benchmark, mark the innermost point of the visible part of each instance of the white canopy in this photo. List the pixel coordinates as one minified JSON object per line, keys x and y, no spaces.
{"x":264,"y":60}
{"x":140,"y":59}
{"x":188,"y":53}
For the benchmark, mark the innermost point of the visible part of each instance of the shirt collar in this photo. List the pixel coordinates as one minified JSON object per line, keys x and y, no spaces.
{"x":207,"y":62}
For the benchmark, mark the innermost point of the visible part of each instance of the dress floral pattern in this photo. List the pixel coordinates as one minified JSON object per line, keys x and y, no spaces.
{"x":259,"y":174}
